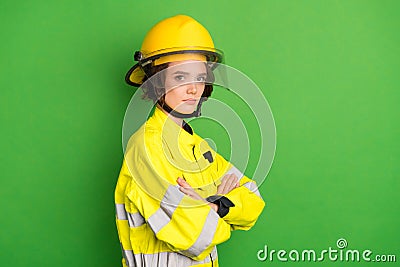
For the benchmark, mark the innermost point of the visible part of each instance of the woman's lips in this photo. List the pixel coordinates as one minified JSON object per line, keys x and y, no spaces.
{"x":190,"y":101}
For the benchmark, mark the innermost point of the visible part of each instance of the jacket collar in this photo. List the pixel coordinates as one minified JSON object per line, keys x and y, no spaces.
{"x":171,"y":131}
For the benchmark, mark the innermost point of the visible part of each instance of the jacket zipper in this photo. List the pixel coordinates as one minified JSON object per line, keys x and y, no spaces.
{"x":198,"y":167}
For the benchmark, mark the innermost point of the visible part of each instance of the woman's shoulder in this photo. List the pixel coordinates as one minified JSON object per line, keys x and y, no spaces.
{"x":146,"y":136}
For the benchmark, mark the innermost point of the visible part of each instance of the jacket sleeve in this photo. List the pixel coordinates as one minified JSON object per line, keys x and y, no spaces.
{"x":247,"y":198}
{"x":187,"y":226}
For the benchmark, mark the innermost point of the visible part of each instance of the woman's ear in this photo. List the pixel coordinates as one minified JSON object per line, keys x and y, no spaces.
{"x":159,"y":94}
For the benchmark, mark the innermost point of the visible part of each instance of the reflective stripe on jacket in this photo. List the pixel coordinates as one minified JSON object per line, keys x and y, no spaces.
{"x":157,"y":224}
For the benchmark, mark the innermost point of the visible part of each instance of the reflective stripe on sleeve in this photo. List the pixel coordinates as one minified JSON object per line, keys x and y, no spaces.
{"x":128,"y":256}
{"x":121,"y":212}
{"x":206,"y":236}
{"x":134,"y":219}
{"x":214,"y":253}
{"x":234,"y":170}
{"x":168,"y":205}
{"x":253,"y":188}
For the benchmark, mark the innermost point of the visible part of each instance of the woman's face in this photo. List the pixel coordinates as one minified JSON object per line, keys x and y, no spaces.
{"x":184,"y":85}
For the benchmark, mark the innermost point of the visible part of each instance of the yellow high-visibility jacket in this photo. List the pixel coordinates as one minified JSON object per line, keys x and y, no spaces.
{"x":157,"y":224}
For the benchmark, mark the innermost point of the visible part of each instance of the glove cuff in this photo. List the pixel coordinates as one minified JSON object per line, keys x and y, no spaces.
{"x":223,"y":204}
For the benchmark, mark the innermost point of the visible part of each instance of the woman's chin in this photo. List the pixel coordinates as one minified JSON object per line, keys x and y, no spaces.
{"x":186,"y":110}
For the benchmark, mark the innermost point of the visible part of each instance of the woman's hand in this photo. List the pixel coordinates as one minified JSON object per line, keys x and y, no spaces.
{"x":189,"y":191}
{"x":229,"y":182}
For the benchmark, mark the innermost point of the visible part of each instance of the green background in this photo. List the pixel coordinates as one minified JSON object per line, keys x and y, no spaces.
{"x":329,"y":70}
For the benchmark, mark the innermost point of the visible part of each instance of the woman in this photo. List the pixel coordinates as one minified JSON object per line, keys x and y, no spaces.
{"x":176,"y":198}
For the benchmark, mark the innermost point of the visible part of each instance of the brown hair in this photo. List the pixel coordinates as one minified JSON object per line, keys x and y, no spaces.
{"x":153,"y":89}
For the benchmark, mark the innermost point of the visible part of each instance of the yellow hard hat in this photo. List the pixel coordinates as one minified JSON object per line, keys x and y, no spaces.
{"x":173,"y":39}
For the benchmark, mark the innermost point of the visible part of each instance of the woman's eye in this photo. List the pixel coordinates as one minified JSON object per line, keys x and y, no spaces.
{"x":201,"y":79}
{"x":179,"y":78}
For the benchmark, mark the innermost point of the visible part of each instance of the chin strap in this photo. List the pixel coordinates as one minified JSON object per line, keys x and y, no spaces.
{"x":177,"y":114}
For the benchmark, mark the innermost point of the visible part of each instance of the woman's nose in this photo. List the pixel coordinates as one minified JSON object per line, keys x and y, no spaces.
{"x":192,"y":88}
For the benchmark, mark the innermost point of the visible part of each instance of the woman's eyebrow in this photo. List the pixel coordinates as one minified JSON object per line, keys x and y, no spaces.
{"x":181,"y":72}
{"x":187,"y":73}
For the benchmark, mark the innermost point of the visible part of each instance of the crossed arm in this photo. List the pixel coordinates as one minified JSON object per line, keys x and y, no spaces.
{"x":176,"y":214}
{"x":228,"y":183}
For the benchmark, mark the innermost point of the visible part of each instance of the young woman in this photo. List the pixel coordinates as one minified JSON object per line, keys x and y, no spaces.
{"x":176,"y":198}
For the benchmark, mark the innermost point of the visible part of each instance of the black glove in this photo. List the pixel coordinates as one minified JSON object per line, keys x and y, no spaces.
{"x":223,"y":204}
